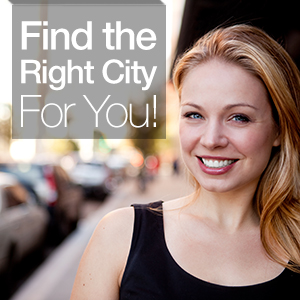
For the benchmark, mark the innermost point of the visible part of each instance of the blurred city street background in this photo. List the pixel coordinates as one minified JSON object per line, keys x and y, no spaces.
{"x":54,"y":278}
{"x":54,"y":192}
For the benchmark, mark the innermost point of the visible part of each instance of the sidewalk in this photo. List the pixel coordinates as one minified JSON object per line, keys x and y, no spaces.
{"x":53,"y":280}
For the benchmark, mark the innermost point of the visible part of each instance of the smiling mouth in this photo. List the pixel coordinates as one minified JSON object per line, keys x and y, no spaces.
{"x":217,"y":164}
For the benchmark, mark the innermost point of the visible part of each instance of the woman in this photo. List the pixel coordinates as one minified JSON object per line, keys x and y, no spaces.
{"x":238,"y":235}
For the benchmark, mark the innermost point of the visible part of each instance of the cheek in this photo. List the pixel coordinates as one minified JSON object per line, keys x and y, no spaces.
{"x":188,"y":138}
{"x":256,"y":145}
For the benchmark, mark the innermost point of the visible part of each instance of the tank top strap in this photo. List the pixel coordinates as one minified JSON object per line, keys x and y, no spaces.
{"x":144,"y":261}
{"x":148,"y":224}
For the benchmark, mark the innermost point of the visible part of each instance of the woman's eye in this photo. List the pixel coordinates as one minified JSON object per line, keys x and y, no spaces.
{"x":240,"y":118}
{"x":193,"y":115}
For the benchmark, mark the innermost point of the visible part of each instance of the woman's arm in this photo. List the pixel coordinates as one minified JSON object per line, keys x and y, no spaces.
{"x":102,"y":265}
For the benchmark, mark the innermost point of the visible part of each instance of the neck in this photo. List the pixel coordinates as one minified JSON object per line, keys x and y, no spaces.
{"x":228,"y":212}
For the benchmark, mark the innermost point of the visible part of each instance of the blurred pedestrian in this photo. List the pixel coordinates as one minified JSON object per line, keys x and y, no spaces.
{"x":175,"y":166}
{"x":238,"y":235}
{"x":142,"y":179}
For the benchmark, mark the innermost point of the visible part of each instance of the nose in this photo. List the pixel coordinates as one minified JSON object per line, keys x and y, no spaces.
{"x":213,"y":135}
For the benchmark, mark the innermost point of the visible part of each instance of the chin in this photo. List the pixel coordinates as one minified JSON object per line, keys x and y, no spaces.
{"x":227,"y":186}
{"x":216,"y":189}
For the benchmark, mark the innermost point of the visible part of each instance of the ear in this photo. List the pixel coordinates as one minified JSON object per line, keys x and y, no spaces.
{"x":277,"y":141}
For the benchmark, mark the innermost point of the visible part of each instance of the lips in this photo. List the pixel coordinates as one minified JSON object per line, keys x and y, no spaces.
{"x":216,"y":165}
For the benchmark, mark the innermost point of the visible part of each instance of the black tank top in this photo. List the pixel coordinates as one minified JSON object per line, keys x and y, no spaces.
{"x":152,"y":273}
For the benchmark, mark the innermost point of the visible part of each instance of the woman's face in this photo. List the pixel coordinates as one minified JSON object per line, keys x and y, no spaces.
{"x":227,"y":131}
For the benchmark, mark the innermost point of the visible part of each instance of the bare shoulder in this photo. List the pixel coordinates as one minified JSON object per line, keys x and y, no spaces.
{"x":114,"y":231}
{"x":103,"y":262}
{"x":115,"y":224}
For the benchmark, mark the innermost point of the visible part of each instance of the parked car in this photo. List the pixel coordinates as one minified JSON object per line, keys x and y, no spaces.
{"x":23,"y":222}
{"x":95,"y":178}
{"x":54,"y":188}
{"x":32,"y":176}
{"x":118,"y":163}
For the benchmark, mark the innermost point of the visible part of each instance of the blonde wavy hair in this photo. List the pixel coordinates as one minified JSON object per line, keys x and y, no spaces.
{"x":277,"y":197}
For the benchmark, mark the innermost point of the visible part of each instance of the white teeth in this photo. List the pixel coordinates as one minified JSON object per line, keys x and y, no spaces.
{"x":217,"y":163}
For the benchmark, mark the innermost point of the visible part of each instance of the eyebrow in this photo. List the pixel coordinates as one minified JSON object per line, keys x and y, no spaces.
{"x":227,"y":107}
